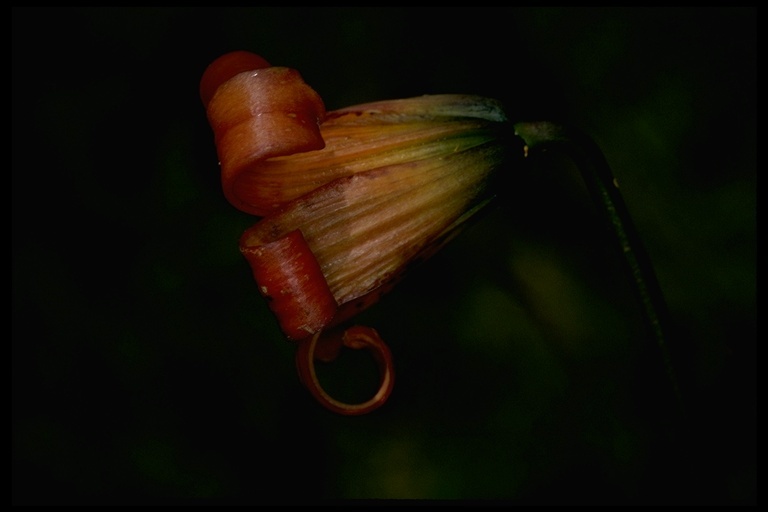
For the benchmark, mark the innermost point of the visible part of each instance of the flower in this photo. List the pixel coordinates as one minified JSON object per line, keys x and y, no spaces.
{"x":349,"y":199}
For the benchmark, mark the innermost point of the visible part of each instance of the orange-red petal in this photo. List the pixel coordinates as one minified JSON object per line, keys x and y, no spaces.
{"x":224,"y":68}
{"x":289,"y":276}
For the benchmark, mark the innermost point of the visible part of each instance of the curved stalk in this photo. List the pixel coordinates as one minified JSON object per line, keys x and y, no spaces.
{"x":602,"y":186}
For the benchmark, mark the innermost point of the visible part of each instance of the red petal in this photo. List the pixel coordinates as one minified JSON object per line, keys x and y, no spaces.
{"x":224,"y":68}
{"x":258,"y":115}
{"x":289,"y":276}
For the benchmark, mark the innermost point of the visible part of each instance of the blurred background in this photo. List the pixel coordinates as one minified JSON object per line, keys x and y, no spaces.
{"x":146,"y":368}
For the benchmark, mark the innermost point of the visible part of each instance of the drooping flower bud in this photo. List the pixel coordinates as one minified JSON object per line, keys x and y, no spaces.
{"x":350,"y":198}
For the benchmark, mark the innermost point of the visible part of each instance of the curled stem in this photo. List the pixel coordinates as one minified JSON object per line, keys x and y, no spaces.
{"x":602,"y":186}
{"x":325,"y":346}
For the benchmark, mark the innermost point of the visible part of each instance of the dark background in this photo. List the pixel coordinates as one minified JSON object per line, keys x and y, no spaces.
{"x":146,"y":368}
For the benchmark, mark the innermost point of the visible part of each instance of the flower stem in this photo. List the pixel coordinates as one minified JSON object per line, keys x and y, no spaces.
{"x":603,"y":187}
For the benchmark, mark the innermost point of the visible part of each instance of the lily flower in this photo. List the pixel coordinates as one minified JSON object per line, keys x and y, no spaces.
{"x":348,"y":199}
